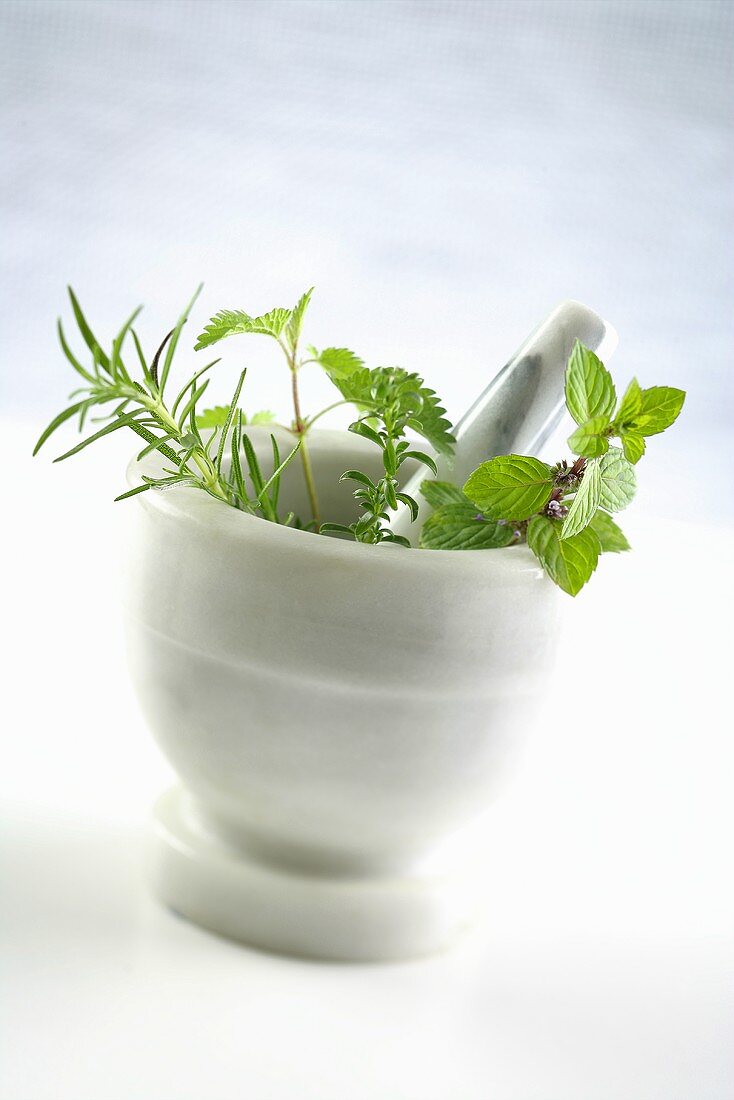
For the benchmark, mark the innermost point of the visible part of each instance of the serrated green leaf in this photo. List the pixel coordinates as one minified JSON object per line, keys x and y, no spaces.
{"x":589,"y":387}
{"x":589,"y":439}
{"x":430,"y":421}
{"x":611,"y":538}
{"x":510,"y":487}
{"x":212,"y":418}
{"x":235,"y":322}
{"x":584,"y":504}
{"x":629,"y":406}
{"x":339,"y":363}
{"x":568,"y":562}
{"x":460,"y":527}
{"x":404,"y":393}
{"x":633,"y":446}
{"x":216,"y":416}
{"x":438,"y":493}
{"x":295,"y":321}
{"x":618,"y":481}
{"x":660,"y":407}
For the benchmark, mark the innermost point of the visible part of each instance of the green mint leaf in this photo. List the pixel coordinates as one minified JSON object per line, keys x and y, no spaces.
{"x":585,"y":502}
{"x":438,"y":493}
{"x":618,"y":481}
{"x":633,"y":446}
{"x":660,"y":407}
{"x":568,"y":562}
{"x":459,"y":527}
{"x":589,"y":388}
{"x":610,"y":537}
{"x":295,"y":321}
{"x":630,"y":404}
{"x":589,"y":439}
{"x":234,"y":322}
{"x":263,"y":416}
{"x":339,"y":363}
{"x":510,"y":487}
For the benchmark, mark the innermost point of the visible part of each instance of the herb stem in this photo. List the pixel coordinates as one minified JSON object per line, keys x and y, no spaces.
{"x":301,"y":428}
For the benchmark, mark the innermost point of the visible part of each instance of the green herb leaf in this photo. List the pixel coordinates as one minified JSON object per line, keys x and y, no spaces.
{"x":589,"y":387}
{"x":568,"y":562}
{"x":660,"y":407}
{"x":510,"y":487}
{"x":213,"y":418}
{"x":585,"y":502}
{"x":216,"y":416}
{"x":295,"y":321}
{"x":590,"y":439}
{"x":611,"y":538}
{"x":618,"y":481}
{"x":438,"y":493}
{"x":339,"y":363}
{"x":630,"y":404}
{"x":234,"y":322}
{"x":87,"y":335}
{"x":633,"y":446}
{"x":459,"y":527}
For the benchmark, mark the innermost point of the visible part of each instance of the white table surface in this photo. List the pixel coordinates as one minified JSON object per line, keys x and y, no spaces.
{"x":603,"y":968}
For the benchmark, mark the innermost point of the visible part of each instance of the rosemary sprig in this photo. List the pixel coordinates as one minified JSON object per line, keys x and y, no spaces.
{"x":174,"y":432}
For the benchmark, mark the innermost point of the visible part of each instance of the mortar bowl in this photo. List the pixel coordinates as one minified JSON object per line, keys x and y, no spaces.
{"x":339,"y":716}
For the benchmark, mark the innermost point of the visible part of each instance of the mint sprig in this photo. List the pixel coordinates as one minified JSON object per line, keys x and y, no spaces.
{"x":562,"y":512}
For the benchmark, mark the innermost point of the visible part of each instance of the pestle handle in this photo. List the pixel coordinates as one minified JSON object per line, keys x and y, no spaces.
{"x":521,"y":407}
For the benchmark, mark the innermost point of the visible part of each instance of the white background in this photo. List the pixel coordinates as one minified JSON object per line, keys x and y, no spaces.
{"x":444,"y":173}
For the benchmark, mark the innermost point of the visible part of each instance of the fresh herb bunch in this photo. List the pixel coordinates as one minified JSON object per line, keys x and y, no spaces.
{"x":562,"y":512}
{"x":390,"y":401}
{"x":175,"y":431}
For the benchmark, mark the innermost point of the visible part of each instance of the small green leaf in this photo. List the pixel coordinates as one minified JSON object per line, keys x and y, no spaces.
{"x":589,"y":439}
{"x":216,"y":416}
{"x":459,"y":527}
{"x":510,"y":487}
{"x":422,"y":457}
{"x":56,"y":422}
{"x":568,"y":562}
{"x":438,"y":493}
{"x":633,"y":446}
{"x":589,"y":387}
{"x":213,"y":418}
{"x":339,"y":363}
{"x":228,"y":422}
{"x":618,"y":481}
{"x":295,"y":321}
{"x":630,"y":404}
{"x":87,"y":335}
{"x":610,"y":537}
{"x":585,"y":502}
{"x":235,"y":322}
{"x":659,"y":408}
